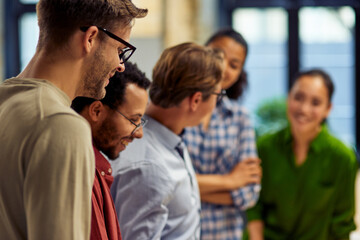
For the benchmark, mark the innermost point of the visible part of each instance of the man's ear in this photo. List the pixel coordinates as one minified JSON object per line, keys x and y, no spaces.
{"x":96,"y":111}
{"x":89,"y":38}
{"x":195,"y":101}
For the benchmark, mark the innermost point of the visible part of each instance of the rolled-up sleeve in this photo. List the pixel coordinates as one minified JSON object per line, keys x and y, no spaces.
{"x":247,"y":196}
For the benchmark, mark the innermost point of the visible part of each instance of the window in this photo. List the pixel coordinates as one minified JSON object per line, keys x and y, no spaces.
{"x":266,"y":64}
{"x":286,"y":37}
{"x":327,"y":41}
{"x":29,"y":1}
{"x":29,"y":32}
{"x":22,"y":35}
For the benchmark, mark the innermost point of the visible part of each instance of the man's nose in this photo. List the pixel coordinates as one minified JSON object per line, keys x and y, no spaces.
{"x":139,"y":133}
{"x":121,"y":67}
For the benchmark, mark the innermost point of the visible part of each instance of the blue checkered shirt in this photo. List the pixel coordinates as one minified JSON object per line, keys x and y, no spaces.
{"x":229,"y":139}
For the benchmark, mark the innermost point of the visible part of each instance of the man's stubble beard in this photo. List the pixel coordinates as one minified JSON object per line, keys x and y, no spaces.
{"x":95,"y":77}
{"x":103,"y":137}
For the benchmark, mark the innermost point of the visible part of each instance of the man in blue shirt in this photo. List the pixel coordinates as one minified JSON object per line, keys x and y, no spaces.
{"x":155,"y":190}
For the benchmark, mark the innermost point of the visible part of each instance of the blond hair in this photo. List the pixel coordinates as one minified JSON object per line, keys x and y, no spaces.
{"x":183,"y":70}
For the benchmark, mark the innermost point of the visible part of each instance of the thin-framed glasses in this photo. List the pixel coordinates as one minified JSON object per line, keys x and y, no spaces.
{"x":137,"y":126}
{"x":220,"y":95}
{"x":126,"y":52}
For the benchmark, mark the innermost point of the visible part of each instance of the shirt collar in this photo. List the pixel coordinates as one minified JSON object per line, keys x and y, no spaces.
{"x":167,"y":137}
{"x":318,"y":142}
{"x":226,"y":106}
{"x":315,"y":145}
{"x":64,"y":97}
{"x":100,"y":161}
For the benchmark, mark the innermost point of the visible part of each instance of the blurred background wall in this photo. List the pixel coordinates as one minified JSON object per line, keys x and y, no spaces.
{"x":168,"y":23}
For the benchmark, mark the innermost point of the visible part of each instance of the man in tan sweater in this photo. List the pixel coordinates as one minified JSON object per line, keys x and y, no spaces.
{"x":46,"y":161}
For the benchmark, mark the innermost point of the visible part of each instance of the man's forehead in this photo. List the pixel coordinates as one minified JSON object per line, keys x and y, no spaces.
{"x":135,"y":98}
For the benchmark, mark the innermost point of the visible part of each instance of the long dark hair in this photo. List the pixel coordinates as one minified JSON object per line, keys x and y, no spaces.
{"x":238,"y":88}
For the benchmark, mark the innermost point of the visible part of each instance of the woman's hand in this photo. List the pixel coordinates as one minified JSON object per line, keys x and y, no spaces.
{"x":245,"y":172}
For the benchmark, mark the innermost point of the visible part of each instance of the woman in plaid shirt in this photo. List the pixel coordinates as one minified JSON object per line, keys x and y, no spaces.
{"x":223,"y":150}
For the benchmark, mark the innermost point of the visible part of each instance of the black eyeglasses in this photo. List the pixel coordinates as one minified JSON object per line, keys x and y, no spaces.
{"x":126,"y":52}
{"x":220,"y":95}
{"x":137,"y":126}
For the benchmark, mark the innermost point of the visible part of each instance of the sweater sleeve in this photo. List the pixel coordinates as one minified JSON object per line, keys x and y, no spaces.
{"x":59,"y":178}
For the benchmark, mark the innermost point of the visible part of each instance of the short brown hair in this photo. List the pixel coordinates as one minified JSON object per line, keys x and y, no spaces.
{"x":59,"y":19}
{"x":183,"y":70}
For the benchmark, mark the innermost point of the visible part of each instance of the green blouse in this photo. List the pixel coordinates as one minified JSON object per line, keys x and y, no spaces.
{"x":314,"y":201}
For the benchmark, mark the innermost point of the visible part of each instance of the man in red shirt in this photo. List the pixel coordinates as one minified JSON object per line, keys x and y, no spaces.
{"x":115,"y":121}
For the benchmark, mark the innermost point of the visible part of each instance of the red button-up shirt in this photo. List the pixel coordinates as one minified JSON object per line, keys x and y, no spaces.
{"x":104,"y":223}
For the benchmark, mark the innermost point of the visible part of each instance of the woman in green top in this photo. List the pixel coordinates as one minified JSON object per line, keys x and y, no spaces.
{"x":308,"y":175}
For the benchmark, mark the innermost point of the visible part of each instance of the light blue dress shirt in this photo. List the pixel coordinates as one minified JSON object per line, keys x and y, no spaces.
{"x":155,"y":190}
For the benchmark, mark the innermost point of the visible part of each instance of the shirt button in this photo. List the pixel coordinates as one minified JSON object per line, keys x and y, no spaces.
{"x":102,"y":173}
{"x":109,"y":170}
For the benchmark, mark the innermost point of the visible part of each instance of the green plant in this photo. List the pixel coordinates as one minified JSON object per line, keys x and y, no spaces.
{"x":270,"y":116}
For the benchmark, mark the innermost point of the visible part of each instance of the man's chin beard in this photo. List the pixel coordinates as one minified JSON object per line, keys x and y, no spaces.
{"x":111,"y":156}
{"x":93,"y":89}
{"x":97,"y":94}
